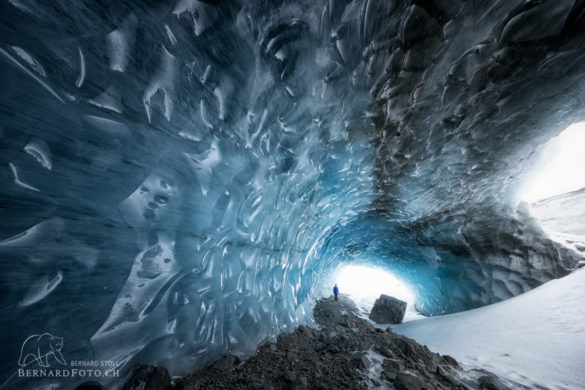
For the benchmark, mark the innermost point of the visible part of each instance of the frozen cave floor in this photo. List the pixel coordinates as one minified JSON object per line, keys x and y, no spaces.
{"x":535,"y":340}
{"x":343,"y":352}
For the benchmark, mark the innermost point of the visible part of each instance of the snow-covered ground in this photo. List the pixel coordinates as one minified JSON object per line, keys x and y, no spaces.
{"x":563,"y":218}
{"x":562,"y":213}
{"x":537,"y":338}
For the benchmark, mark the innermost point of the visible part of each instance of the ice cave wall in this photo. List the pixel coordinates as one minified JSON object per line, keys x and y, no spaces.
{"x":177,"y":177}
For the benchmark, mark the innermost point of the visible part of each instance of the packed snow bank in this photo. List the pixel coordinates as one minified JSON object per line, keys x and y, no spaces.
{"x":537,"y":338}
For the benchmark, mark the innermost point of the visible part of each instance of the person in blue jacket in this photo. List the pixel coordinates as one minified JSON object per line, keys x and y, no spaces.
{"x":335,"y":292}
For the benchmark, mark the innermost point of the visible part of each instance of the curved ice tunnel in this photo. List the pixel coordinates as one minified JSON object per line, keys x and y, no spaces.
{"x":177,"y":178}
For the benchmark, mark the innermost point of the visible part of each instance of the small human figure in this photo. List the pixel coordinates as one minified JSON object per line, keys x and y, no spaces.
{"x":336,"y":292}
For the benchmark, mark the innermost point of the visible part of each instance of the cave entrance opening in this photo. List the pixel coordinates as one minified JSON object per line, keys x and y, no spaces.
{"x":365,"y":283}
{"x":559,"y":168}
{"x":555,"y":189}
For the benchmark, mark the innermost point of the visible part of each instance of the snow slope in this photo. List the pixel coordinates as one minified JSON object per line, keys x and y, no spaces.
{"x":563,"y":217}
{"x":537,"y":338}
{"x":563,"y":213}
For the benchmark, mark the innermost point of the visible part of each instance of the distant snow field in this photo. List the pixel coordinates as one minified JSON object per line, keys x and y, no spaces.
{"x":534,"y":340}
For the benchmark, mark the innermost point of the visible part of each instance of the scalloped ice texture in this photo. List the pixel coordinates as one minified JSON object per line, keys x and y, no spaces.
{"x":179,"y":178}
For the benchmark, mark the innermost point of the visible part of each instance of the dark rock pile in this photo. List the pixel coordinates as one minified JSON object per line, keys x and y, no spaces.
{"x":346,"y":352}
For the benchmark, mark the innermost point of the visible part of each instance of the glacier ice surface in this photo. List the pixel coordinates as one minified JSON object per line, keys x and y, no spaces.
{"x":179,"y":178}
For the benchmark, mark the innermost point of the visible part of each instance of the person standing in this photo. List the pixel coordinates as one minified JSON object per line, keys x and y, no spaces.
{"x":336,"y":292}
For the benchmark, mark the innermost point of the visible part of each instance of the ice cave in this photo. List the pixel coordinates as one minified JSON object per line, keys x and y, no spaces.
{"x":183,"y":180}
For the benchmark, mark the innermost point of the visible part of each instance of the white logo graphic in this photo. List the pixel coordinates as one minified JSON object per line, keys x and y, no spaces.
{"x":39,"y":348}
{"x":46,"y":348}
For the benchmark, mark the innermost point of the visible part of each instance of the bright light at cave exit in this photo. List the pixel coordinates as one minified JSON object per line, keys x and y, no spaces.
{"x":561,"y":168}
{"x":364,"y":285}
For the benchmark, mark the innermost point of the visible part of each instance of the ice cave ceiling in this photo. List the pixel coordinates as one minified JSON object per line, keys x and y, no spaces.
{"x":177,"y":178}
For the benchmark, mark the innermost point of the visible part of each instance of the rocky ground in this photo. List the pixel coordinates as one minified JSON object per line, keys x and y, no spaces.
{"x":345,"y":352}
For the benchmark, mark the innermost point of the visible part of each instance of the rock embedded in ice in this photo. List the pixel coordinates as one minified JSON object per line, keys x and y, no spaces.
{"x":388,"y":310}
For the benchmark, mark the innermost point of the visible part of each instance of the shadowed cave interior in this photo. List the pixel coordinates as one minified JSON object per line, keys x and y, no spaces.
{"x":180,"y":179}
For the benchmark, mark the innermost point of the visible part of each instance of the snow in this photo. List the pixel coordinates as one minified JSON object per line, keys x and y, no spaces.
{"x":375,"y":370}
{"x":562,"y":213}
{"x":537,"y":338}
{"x":560,"y":167}
{"x":563,"y":218}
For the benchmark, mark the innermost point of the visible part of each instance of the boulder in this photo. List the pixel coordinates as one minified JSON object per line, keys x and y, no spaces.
{"x":388,"y":310}
{"x":450,"y":361}
{"x":491,"y":382}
